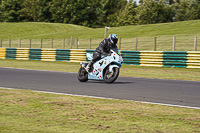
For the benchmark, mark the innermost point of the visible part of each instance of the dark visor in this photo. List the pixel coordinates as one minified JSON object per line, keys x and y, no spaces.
{"x":115,"y":41}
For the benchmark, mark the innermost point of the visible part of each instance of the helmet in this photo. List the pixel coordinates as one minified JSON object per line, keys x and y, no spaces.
{"x":113,"y":38}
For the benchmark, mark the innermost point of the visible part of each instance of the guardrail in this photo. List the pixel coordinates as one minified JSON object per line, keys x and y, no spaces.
{"x":143,"y":58}
{"x":73,"y":55}
{"x":162,"y":58}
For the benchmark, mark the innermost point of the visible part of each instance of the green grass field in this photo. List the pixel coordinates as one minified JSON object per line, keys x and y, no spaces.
{"x":25,"y":111}
{"x":184,"y":32}
{"x":35,"y":30}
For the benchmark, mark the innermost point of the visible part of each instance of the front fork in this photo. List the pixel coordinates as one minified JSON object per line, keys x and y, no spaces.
{"x":111,"y":70}
{"x":112,"y":66}
{"x":83,"y":65}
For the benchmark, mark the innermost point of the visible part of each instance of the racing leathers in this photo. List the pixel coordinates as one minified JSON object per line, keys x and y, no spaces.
{"x":104,"y":48}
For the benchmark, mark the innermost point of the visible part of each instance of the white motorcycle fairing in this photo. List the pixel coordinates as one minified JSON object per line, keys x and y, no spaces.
{"x":112,"y":61}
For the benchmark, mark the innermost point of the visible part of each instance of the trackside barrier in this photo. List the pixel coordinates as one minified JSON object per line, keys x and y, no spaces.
{"x":73,"y":55}
{"x":2,"y":53}
{"x":182,"y":59}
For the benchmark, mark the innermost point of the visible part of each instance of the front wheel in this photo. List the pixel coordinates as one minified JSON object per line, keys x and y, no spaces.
{"x":82,"y":75}
{"x":110,"y":77}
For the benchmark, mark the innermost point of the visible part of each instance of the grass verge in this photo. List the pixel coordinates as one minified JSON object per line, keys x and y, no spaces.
{"x":146,"y":35}
{"x":38,"y":30}
{"x":126,"y":70}
{"x":26,"y":111}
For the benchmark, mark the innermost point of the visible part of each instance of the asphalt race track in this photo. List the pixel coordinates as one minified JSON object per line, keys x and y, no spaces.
{"x":183,"y":93}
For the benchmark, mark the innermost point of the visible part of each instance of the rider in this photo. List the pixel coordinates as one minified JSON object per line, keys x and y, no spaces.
{"x":104,"y":48}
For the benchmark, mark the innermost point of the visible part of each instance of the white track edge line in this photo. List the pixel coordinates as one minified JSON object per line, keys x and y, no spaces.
{"x":171,"y":105}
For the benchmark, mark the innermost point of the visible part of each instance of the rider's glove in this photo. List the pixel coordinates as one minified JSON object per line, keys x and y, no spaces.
{"x":104,"y":53}
{"x":109,"y":54}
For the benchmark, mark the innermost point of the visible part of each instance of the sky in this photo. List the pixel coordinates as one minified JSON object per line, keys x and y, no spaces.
{"x":137,"y":1}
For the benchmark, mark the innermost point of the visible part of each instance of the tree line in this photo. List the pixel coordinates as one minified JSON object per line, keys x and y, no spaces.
{"x":99,"y":13}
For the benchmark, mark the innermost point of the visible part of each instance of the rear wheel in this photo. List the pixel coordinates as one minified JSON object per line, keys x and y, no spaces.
{"x":82,"y":75}
{"x":110,"y":77}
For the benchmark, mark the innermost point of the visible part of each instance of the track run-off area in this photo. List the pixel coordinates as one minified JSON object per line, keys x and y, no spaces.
{"x":156,"y":91}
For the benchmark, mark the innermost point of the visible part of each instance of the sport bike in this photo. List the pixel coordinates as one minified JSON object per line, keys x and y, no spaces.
{"x":107,"y":68}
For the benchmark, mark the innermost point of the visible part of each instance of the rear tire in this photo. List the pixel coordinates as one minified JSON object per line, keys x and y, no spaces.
{"x":110,"y":77}
{"x":82,"y":75}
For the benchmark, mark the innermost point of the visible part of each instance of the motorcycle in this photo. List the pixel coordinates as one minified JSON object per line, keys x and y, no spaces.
{"x":107,"y":68}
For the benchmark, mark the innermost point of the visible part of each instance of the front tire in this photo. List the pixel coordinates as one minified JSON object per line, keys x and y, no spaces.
{"x":82,"y":75}
{"x":110,"y":77}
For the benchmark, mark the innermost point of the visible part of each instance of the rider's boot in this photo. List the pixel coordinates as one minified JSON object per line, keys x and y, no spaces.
{"x":88,"y":67}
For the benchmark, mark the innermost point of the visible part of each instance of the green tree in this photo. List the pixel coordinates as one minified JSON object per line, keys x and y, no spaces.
{"x":128,"y":15}
{"x":150,"y":12}
{"x":188,"y":10}
{"x":44,"y":11}
{"x":112,"y":9}
{"x":30,"y":10}
{"x":62,"y":10}
{"x":10,"y":10}
{"x":194,"y":10}
{"x":182,"y":11}
{"x":0,"y":11}
{"x":86,"y":13}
